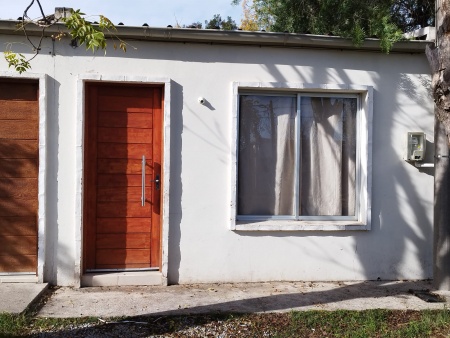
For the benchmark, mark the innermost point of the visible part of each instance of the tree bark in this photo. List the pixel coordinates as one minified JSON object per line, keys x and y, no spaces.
{"x":439,"y":59}
{"x":441,"y":240}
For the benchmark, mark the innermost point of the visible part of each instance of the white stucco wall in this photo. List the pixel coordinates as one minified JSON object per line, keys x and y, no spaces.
{"x":201,"y":246}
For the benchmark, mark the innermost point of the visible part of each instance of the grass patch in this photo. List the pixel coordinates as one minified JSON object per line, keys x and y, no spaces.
{"x":12,"y":325}
{"x":369,"y":323}
{"x":60,"y":324}
{"x":339,"y":323}
{"x":312,"y":324}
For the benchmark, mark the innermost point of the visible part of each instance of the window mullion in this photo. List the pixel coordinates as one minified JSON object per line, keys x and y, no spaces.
{"x":358,"y":156}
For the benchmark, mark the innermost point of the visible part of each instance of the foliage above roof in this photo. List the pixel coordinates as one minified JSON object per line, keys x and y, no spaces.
{"x":355,"y":19}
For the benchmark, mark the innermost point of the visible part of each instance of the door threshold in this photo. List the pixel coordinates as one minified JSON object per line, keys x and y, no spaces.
{"x":132,"y":278}
{"x":18,"y":278}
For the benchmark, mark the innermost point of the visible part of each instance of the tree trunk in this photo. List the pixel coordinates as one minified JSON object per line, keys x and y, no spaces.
{"x":441,"y":242}
{"x":439,"y":59}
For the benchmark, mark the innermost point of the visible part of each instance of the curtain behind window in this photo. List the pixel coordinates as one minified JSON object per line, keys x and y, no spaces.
{"x":266,"y":155}
{"x":266,"y":168}
{"x":328,"y":156}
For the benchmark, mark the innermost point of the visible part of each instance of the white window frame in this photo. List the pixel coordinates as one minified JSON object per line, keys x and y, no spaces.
{"x":361,"y":220}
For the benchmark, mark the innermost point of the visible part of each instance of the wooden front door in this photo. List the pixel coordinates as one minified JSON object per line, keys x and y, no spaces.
{"x":19,"y":154}
{"x":122,"y":162}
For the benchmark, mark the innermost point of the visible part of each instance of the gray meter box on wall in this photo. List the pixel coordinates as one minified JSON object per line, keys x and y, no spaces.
{"x":415,"y":146}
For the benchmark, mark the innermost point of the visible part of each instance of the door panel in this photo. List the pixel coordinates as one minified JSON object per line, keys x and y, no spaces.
{"x":119,"y":180}
{"x":123,"y":124}
{"x":111,"y":225}
{"x":119,"y":103}
{"x":132,"y":241}
{"x":18,"y":148}
{"x":126,"y":258}
{"x":129,"y":150}
{"x":19,"y":129}
{"x":124,"y":135}
{"x":119,"y":166}
{"x":123,"y":209}
{"x":130,"y":120}
{"x":114,"y":194}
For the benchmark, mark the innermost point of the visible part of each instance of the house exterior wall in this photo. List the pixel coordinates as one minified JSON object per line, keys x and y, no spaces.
{"x":201,"y":246}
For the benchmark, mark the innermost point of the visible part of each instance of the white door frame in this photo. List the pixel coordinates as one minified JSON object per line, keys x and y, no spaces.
{"x":166,"y":83}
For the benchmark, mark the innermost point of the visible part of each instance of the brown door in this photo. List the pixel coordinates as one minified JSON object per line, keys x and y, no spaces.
{"x":19,"y":129}
{"x":122,"y":162}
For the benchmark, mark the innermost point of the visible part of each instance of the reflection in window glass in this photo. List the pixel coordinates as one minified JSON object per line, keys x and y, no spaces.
{"x":328,"y":156}
{"x":325,"y":175}
{"x":266,"y":155}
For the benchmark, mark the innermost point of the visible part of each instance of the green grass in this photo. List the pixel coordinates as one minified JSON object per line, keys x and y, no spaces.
{"x":341,"y":324}
{"x":369,"y":323}
{"x":12,"y":325}
{"x":56,"y":324}
{"x":19,"y":325}
{"x":429,"y":321}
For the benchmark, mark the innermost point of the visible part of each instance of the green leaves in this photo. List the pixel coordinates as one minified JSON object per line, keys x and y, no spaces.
{"x":91,"y":35}
{"x":354,"y":19}
{"x":106,"y":24}
{"x":218,"y":22}
{"x":17,"y":61}
{"x":85,"y":32}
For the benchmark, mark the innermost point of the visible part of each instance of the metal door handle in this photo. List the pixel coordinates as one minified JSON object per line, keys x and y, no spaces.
{"x":157,"y":182}
{"x":143,"y":182}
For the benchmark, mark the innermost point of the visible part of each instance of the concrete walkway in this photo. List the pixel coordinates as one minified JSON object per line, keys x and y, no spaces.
{"x":212,"y":298}
{"x":16,"y":297}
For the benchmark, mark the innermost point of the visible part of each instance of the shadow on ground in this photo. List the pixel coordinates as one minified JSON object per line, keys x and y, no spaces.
{"x":200,"y":305}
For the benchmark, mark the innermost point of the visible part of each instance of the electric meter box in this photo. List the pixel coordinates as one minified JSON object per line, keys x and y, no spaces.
{"x":415,"y":146}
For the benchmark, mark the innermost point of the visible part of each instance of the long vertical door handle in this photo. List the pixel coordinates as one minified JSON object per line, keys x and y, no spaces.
{"x":143,"y":182}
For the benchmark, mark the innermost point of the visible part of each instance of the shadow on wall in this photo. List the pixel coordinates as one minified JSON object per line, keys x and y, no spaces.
{"x":400,"y":213}
{"x":59,"y":257}
{"x":176,"y":185}
{"x":400,"y":216}
{"x":52,"y":232}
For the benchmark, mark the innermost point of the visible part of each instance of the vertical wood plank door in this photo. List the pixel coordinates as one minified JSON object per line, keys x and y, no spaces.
{"x":19,"y":129}
{"x":122,"y":162}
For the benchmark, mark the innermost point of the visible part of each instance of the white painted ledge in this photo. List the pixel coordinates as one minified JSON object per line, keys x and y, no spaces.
{"x":123,"y":278}
{"x":286,"y":225}
{"x":19,"y":279}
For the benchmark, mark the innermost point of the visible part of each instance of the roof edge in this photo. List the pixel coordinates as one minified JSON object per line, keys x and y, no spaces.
{"x":188,"y":35}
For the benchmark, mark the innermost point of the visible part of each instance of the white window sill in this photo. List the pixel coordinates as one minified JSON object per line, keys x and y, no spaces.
{"x":288,"y":225}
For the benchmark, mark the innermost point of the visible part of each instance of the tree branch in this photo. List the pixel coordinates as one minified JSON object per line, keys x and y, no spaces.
{"x":42,"y":11}
{"x":25,"y":12}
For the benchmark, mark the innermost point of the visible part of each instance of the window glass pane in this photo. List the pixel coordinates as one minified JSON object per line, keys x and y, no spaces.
{"x":266,"y":169}
{"x":328,"y":156}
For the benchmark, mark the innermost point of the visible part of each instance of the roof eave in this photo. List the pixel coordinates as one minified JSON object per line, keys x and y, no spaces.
{"x":188,"y":35}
